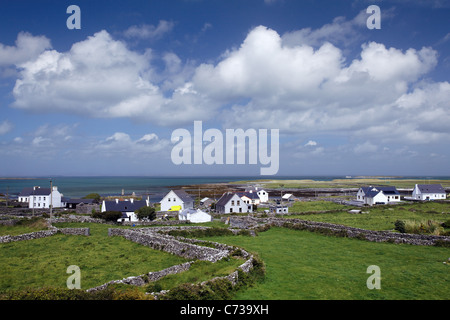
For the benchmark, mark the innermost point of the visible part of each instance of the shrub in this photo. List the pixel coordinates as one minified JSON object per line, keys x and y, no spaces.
{"x":146,"y":213}
{"x":108,"y":215}
{"x":419,"y":227}
{"x":400,"y":226}
{"x":446,"y":224}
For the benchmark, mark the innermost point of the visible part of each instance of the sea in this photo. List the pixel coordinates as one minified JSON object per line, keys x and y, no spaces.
{"x":154,"y":187}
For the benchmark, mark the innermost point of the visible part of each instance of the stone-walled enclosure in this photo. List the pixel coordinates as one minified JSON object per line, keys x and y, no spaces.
{"x":336,"y":229}
{"x":155,"y":239}
{"x":194,"y":249}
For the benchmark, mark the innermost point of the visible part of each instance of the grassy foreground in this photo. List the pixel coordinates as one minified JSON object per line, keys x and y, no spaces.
{"x":304,"y":265}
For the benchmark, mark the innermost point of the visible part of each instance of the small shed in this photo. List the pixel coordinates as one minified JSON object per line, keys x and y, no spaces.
{"x":194,"y":216}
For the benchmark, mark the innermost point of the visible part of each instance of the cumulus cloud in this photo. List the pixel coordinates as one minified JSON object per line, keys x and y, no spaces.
{"x":267,"y":82}
{"x":301,"y":89}
{"x":100,"y":77}
{"x":27,"y":47}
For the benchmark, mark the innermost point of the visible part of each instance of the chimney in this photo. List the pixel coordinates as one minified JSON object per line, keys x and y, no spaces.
{"x":117,"y":200}
{"x":132,"y":200}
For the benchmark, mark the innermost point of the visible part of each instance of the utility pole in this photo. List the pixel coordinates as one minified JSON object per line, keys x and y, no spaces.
{"x":51,"y":199}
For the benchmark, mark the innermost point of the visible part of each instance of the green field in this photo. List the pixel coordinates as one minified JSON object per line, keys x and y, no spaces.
{"x":304,"y":265}
{"x":43,"y":262}
{"x":299,"y":264}
{"x":372,"y":218}
{"x":343,"y":183}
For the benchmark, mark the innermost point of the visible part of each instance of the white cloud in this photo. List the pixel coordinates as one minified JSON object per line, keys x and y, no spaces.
{"x":311,"y":143}
{"x":27,"y":47}
{"x":100,"y":77}
{"x":146,"y":31}
{"x":122,"y":143}
{"x":5,"y":127}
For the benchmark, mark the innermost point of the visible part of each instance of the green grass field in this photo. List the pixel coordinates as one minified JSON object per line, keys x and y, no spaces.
{"x":299,"y":264}
{"x":304,"y":265}
{"x":374,"y":218}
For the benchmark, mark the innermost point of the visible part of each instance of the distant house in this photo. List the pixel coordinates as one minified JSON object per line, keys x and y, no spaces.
{"x":262,"y":194}
{"x":249,"y":197}
{"x":232,"y":203}
{"x":127,"y":207}
{"x":41,"y":198}
{"x":279,"y":209}
{"x":377,"y":195}
{"x":73,"y":203}
{"x":429,"y":192}
{"x":288,"y":197}
{"x":177,"y":198}
{"x":194,"y":216}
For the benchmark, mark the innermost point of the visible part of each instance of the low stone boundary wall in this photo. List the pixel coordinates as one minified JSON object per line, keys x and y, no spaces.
{"x":377,"y":236}
{"x":28,"y":236}
{"x":45,"y":233}
{"x":150,"y":238}
{"x":147,"y":277}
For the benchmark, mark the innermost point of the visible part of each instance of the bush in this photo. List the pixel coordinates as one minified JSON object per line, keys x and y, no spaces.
{"x":108,"y":215}
{"x":146,"y":213}
{"x":419,"y":227}
{"x":400,"y":226}
{"x":446,"y":224}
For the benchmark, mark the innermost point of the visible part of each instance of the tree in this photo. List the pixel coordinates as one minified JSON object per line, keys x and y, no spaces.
{"x":146,"y":213}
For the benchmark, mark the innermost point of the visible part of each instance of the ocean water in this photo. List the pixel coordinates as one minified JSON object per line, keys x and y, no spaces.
{"x":155,"y":187}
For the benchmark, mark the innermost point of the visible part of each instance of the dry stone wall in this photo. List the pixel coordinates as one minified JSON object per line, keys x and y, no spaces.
{"x":377,"y":236}
{"x":152,"y":239}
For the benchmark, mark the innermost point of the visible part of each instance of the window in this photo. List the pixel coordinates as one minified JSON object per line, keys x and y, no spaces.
{"x":238,"y":203}
{"x":169,"y":199}
{"x":44,"y":198}
{"x":232,"y":202}
{"x":231,"y":210}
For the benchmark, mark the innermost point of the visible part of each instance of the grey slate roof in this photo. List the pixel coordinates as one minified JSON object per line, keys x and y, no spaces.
{"x":77,"y":201}
{"x":250,"y":195}
{"x":183,"y":195}
{"x":125,"y":206}
{"x":431,"y":188}
{"x":386,"y":190}
{"x":224,"y":199}
{"x":26,"y":192}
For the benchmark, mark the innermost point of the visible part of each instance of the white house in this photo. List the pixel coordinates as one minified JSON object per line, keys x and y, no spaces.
{"x":194,"y":216}
{"x":232,"y":203}
{"x":279,"y":209}
{"x":127,"y":207}
{"x":429,"y":192}
{"x":378,"y":195}
{"x":262,"y":194}
{"x":250,"y":197}
{"x":41,"y":198}
{"x":177,"y":198}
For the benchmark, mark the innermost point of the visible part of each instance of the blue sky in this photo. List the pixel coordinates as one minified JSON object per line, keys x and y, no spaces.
{"x":105,"y":99}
